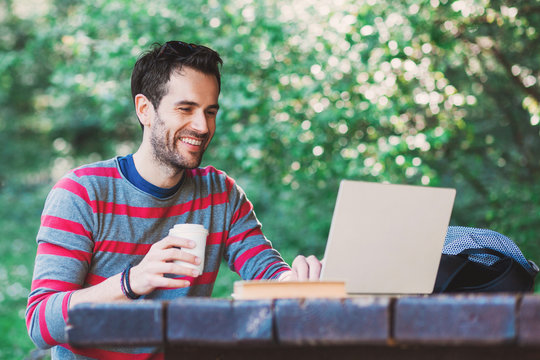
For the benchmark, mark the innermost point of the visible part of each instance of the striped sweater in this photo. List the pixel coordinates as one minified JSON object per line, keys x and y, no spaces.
{"x":95,"y":222}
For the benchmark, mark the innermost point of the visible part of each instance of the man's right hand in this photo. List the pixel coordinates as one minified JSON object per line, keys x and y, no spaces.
{"x":147,"y":275}
{"x":160,"y":260}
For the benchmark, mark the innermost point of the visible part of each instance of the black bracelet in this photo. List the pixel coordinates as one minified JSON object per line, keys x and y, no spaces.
{"x":122,"y":286}
{"x":126,"y":287}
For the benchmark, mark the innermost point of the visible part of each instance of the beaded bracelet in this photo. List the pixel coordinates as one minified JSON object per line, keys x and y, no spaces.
{"x":125,"y":285}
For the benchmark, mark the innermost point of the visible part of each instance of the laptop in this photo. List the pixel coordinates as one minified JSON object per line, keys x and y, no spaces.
{"x":387,"y":238}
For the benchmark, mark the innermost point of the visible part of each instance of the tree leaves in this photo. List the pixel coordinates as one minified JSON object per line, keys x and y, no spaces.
{"x":438,"y":93}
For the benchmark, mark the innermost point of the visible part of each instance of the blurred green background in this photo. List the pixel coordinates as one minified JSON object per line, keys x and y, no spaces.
{"x":439,"y":93}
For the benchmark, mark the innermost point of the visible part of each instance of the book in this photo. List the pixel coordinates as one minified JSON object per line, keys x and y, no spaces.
{"x":271,"y":289}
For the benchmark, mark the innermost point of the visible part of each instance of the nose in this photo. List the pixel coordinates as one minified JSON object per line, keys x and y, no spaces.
{"x":199,"y":122}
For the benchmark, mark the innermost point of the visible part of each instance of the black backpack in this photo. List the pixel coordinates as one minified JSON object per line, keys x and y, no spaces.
{"x":479,"y":260}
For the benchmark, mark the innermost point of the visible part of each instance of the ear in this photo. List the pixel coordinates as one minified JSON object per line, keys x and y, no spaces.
{"x":144,"y":109}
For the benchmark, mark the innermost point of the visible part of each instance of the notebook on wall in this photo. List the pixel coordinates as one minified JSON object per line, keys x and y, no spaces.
{"x":386,"y":238}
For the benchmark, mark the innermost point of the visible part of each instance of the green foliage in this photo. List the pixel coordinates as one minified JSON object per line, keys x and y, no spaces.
{"x":19,"y":209}
{"x":441,"y":93}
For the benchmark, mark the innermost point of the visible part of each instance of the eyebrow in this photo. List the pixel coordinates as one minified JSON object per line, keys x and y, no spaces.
{"x":193,"y":103}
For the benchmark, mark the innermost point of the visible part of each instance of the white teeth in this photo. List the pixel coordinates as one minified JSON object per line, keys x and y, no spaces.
{"x":191,"y":141}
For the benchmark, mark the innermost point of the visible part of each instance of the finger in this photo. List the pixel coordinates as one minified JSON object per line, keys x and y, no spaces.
{"x":301,"y":267}
{"x":182,"y":242}
{"x":148,"y":278}
{"x":163,"y":282}
{"x":175,"y":254}
{"x":176,"y":268}
{"x":314,"y":268}
{"x":173,"y":241}
{"x":294,"y":276}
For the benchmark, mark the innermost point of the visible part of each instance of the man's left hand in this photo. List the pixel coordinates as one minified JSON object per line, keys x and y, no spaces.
{"x":303,"y":269}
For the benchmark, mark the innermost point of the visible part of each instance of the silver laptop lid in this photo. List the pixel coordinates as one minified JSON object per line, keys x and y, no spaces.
{"x":387,"y":239}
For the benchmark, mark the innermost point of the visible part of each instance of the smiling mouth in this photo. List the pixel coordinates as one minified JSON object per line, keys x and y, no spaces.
{"x":191,"y":141}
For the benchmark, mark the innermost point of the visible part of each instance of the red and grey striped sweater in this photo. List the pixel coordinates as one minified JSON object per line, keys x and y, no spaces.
{"x":95,"y":222}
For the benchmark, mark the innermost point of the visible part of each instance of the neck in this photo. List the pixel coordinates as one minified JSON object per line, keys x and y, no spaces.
{"x":154,"y":171}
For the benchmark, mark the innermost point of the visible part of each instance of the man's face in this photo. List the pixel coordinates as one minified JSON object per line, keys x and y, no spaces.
{"x":185,"y":120}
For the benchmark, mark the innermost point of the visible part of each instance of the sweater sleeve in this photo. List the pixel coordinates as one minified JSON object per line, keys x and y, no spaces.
{"x":248,"y":252}
{"x":64,"y":251}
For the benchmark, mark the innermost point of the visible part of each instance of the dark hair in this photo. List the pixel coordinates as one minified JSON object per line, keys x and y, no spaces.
{"x":153,"y":69}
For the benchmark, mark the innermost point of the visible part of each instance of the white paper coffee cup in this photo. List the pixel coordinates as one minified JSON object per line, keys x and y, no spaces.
{"x":197,"y":233}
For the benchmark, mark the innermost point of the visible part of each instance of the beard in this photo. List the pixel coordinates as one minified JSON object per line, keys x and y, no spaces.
{"x":167,"y":152}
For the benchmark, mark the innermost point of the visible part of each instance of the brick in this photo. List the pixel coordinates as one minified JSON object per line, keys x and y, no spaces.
{"x":127,"y":324}
{"x":253,"y":321}
{"x":354,"y":352}
{"x":529,"y":321}
{"x":457,"y":319}
{"x":210,"y":322}
{"x":332,"y":321}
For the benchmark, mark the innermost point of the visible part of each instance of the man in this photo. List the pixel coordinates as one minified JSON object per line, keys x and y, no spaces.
{"x":104,"y":228}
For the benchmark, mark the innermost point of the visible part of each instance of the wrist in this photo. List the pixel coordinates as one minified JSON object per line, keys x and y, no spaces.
{"x":125,"y":284}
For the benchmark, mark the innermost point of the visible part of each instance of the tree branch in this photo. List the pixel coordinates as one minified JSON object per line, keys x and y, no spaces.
{"x":531,"y":90}
{"x":529,"y":9}
{"x":517,"y":135}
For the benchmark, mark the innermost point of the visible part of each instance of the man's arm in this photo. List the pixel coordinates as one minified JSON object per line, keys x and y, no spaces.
{"x":64,"y":255}
{"x":248,"y":252}
{"x":252,"y":256}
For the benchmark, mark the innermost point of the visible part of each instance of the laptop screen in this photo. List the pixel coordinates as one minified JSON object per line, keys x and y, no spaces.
{"x":386,"y":238}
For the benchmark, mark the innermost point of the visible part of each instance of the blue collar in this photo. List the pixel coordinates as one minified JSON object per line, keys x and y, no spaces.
{"x":128,"y":169}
